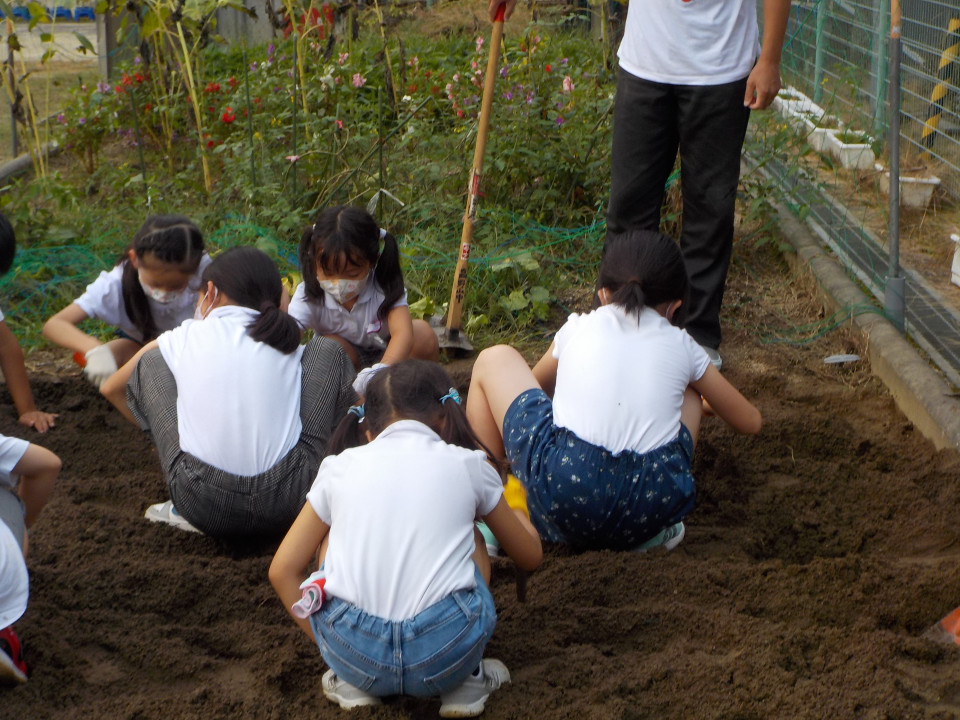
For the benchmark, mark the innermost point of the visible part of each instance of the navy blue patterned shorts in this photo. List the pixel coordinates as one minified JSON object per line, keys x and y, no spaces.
{"x":583,"y":495}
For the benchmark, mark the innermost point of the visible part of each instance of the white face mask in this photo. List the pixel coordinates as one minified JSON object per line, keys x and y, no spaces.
{"x":343,"y":290}
{"x":198,"y":313}
{"x":164,"y":297}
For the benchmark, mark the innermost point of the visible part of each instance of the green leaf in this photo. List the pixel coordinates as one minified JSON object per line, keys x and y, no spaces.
{"x":46,"y":37}
{"x":423,"y":308}
{"x":515,"y":301}
{"x":476,"y":321}
{"x":85,"y":45}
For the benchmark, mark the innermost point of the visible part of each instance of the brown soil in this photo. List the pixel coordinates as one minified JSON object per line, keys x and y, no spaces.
{"x":818,"y":554}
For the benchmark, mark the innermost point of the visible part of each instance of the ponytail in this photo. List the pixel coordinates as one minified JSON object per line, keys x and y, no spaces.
{"x":642,"y":268}
{"x":348,"y":433}
{"x":388,"y":274}
{"x":251,"y":279}
{"x":273,"y":327}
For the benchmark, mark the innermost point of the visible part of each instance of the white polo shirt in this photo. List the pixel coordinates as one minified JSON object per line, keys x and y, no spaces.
{"x":401,"y":511}
{"x":103,"y":300}
{"x":690,"y":42}
{"x":14,"y":581}
{"x":238,"y":400}
{"x":11,"y":451}
{"x":620,"y":380}
{"x":359,"y":325}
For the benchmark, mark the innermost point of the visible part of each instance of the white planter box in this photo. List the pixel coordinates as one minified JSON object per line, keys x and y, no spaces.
{"x":851,"y":156}
{"x":915,"y":192}
{"x":819,"y":139}
{"x":789,"y":101}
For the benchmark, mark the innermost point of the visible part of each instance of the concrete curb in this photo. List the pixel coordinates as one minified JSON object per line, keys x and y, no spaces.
{"x":921,"y":393}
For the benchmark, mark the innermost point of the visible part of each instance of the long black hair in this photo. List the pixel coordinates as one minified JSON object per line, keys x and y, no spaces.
{"x":409,"y":390}
{"x":171,"y":239}
{"x":251,"y":279}
{"x":643,"y":268}
{"x":347,"y":235}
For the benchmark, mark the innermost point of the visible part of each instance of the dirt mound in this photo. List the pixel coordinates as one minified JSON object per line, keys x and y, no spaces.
{"x":816,"y":557}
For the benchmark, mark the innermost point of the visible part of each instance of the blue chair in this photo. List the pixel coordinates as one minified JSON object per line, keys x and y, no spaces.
{"x":84,"y":13}
{"x":21,"y":13}
{"x":63,"y":13}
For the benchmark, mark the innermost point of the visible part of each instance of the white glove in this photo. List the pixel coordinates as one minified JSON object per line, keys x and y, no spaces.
{"x":364,"y":377}
{"x":100,"y":365}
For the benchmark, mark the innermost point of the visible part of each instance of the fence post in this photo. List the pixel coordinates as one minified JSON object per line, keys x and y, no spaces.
{"x":880,"y":68}
{"x":894,"y":289}
{"x":818,"y":53}
{"x":951,"y":46}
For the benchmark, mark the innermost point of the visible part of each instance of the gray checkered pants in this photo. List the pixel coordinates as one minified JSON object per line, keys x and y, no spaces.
{"x":222,"y":504}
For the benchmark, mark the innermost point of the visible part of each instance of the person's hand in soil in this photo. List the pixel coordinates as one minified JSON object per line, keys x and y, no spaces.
{"x":38,"y":420}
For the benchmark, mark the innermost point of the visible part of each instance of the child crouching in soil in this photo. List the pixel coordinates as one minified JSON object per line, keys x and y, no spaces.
{"x":602,"y":430}
{"x":404,"y":604}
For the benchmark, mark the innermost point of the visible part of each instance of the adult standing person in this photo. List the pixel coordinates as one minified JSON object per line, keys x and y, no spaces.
{"x":690,"y":73}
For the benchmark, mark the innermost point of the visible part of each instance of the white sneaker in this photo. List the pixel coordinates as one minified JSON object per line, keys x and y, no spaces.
{"x":165,"y":512}
{"x":469,"y":699}
{"x":668,"y":539}
{"x":345,"y":694}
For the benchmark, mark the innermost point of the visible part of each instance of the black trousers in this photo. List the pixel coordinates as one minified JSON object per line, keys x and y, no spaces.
{"x":707,"y":124}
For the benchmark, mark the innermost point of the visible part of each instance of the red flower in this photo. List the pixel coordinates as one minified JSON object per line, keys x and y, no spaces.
{"x":228,"y":115}
{"x":411,"y":88}
{"x":147,"y":107}
{"x":547,"y":68}
{"x":232,"y":81}
{"x":212,"y":87}
{"x":138,"y":77}
{"x":210,"y":143}
{"x":427,"y":73}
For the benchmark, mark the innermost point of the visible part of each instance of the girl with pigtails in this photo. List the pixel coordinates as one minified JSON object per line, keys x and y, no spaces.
{"x":401,"y":604}
{"x":240,"y":412}
{"x":352,"y":291}
{"x":601,"y":432}
{"x":151,"y":289}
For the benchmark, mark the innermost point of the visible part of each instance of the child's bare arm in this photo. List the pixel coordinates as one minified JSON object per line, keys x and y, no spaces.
{"x":545,"y":371}
{"x":62,"y":329}
{"x":400,"y":325}
{"x":518,"y":538}
{"x":114,"y":388}
{"x":15,"y":373}
{"x":289,"y":566}
{"x":727,"y":402}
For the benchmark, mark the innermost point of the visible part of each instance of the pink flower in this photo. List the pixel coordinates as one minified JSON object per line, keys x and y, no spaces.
{"x":339,"y":124}
{"x":567,"y":84}
{"x":343,"y":58}
{"x":293,"y":158}
{"x":560,"y":120}
{"x":479,"y":43}
{"x":358,"y":80}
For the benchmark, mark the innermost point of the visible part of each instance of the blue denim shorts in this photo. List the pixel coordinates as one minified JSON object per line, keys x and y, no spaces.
{"x":584,"y":495}
{"x":424,"y":656}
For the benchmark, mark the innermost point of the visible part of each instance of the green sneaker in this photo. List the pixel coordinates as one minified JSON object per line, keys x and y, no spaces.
{"x":668,"y":539}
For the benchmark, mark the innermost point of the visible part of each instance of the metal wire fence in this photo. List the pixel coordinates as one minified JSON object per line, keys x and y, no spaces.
{"x":837,"y":55}
{"x":836,"y":51}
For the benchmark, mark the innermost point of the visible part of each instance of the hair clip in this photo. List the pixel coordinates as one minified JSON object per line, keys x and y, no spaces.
{"x":383,"y":234}
{"x":452,"y":395}
{"x":356,"y":410}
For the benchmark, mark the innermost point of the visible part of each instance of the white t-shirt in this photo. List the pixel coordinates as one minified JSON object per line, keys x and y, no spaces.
{"x":103,"y":300}
{"x":401,"y":511}
{"x":620,"y":381}
{"x":238,"y":400}
{"x":14,"y":581}
{"x":359,"y":325}
{"x":11,"y":450}
{"x":690,"y":42}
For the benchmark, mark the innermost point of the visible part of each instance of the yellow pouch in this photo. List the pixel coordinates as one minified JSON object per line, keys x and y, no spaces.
{"x":516,"y":494}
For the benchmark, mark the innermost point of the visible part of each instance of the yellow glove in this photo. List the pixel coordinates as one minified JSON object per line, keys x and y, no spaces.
{"x":516,"y":494}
